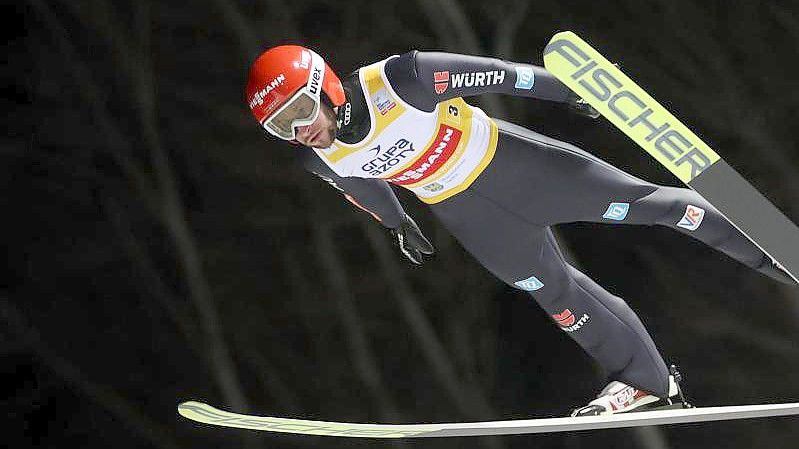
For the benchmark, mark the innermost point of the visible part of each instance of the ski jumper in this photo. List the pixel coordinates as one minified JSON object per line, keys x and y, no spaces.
{"x":498,"y":188}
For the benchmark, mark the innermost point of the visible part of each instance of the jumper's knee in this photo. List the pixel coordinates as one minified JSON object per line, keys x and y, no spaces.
{"x":547,"y":288}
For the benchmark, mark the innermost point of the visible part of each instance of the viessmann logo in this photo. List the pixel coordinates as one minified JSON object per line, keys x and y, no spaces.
{"x":437,"y":154}
{"x":258,"y":98}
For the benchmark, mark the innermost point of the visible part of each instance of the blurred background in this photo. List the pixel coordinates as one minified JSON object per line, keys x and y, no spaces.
{"x":170,"y":251}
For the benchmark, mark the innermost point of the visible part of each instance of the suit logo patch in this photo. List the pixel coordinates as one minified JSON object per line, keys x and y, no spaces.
{"x":692,"y":218}
{"x":617,"y":211}
{"x":441,"y":81}
{"x":383,"y":101}
{"x":568,"y":322}
{"x":530,"y":284}
{"x":565,"y":318}
{"x":525,"y":78}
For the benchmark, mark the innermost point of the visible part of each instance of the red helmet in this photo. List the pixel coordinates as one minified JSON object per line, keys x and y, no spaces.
{"x":283,"y":88}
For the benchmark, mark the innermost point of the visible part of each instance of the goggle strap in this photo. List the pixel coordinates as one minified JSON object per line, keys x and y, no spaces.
{"x":315,"y":83}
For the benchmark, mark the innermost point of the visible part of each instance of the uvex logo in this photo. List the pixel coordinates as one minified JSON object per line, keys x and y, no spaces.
{"x":316,"y":78}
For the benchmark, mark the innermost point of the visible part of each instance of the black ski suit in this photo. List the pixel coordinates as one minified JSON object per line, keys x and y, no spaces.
{"x":503,"y":218}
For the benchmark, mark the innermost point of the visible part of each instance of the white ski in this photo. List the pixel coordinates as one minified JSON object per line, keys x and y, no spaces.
{"x":204,"y":413}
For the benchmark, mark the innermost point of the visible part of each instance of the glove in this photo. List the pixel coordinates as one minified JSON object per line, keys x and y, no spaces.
{"x":581,"y":106}
{"x":411,"y":241}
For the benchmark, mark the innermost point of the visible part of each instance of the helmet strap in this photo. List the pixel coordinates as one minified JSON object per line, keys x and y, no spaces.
{"x":326,"y":100}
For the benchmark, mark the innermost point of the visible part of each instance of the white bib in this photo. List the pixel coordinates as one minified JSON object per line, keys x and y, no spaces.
{"x":434,"y":154}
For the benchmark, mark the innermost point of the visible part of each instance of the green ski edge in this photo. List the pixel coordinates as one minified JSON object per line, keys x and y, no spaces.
{"x":619,"y":99}
{"x":204,"y":413}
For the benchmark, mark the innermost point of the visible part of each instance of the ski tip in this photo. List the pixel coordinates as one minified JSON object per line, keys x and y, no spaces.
{"x":557,"y":42}
{"x":563,"y":35}
{"x":185,"y":404}
{"x":188,"y":409}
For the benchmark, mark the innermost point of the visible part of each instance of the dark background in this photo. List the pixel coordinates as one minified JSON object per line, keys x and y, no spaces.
{"x":161,"y":248}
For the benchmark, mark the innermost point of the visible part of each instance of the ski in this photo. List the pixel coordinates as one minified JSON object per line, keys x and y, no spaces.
{"x":653,"y":128}
{"x":204,"y":413}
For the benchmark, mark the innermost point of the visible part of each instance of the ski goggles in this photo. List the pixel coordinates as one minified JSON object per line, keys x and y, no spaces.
{"x":303,"y":106}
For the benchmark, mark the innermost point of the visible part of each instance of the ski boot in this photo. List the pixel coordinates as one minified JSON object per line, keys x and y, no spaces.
{"x":618,"y":397}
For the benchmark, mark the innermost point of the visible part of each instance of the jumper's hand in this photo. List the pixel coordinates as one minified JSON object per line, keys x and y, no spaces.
{"x":411,"y":241}
{"x":581,"y":106}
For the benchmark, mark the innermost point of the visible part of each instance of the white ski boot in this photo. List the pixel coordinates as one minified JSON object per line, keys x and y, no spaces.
{"x":618,"y":397}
